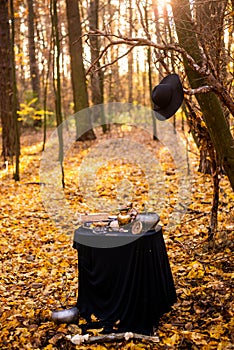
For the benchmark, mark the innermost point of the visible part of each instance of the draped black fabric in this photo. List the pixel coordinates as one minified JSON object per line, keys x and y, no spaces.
{"x":128,"y":288}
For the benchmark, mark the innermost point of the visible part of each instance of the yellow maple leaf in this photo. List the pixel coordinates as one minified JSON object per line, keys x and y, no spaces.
{"x":196,"y":271}
{"x":171,"y":340}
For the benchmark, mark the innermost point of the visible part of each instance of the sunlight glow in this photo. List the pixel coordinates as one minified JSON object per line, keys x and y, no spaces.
{"x":161,"y":4}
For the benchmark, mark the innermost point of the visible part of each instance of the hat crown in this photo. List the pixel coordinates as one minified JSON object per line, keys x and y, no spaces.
{"x":167,"y":96}
{"x":162,"y":95}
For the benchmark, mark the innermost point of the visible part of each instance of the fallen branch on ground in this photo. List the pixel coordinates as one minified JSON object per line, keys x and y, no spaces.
{"x":78,"y":339}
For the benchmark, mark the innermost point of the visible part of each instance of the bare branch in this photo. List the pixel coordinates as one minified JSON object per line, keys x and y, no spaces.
{"x":214,"y":83}
{"x":201,"y":89}
{"x":139,"y":41}
{"x":115,"y":60}
{"x":111,"y":63}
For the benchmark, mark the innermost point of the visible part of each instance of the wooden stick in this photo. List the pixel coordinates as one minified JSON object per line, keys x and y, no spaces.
{"x":94,"y":217}
{"x":112,"y":337}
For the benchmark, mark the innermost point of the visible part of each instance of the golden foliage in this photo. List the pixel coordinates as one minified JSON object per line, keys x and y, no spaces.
{"x":39,"y":267}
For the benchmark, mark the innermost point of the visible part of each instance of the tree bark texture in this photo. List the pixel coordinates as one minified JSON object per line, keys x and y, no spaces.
{"x":6,"y":84}
{"x":15,"y":98}
{"x":209,"y":103}
{"x":130,"y":57}
{"x":80,"y":94}
{"x":57,"y":82}
{"x":34,"y":73}
{"x":209,"y":21}
{"x":96,"y":77}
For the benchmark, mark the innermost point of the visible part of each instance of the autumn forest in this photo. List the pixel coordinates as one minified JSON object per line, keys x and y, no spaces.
{"x":79,"y":137}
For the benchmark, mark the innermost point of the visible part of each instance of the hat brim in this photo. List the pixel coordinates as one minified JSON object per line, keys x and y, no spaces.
{"x":176,"y":100}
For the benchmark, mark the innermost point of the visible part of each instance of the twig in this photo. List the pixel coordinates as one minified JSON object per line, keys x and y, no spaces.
{"x":34,"y":183}
{"x":202,"y":69}
{"x":201,"y":89}
{"x":194,"y":218}
{"x":114,"y":61}
{"x":78,"y":339}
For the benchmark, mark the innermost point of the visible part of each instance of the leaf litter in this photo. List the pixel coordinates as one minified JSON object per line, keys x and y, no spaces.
{"x":39,"y":267}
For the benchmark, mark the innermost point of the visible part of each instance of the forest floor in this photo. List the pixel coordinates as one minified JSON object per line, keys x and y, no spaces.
{"x":39,"y":266}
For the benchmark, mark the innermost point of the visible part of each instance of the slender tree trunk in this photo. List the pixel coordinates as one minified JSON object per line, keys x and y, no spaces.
{"x":130,"y":59}
{"x":6,"y":85}
{"x":155,"y":137}
{"x":34,"y":72}
{"x":96,"y":76}
{"x":15,"y":100}
{"x":80,"y":94}
{"x":149,"y":60}
{"x":215,"y":203}
{"x":139,"y":81}
{"x":210,"y":106}
{"x":57,"y":81}
{"x":46,"y":83}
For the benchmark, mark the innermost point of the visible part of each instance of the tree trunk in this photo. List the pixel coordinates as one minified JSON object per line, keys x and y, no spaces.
{"x":80,"y":94}
{"x":57,"y":82}
{"x":34,"y":73}
{"x":209,"y":18}
{"x":6,"y":85}
{"x":210,"y":105}
{"x":14,"y":99}
{"x":201,"y":137}
{"x":130,"y":59}
{"x":45,"y":85}
{"x":96,"y":76}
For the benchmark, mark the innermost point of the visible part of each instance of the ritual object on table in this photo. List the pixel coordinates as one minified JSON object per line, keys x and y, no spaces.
{"x":127,"y":220}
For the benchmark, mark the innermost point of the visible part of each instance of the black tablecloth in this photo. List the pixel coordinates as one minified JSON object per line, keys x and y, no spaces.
{"x":128,"y":288}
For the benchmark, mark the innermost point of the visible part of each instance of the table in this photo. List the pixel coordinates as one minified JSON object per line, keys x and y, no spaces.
{"x":128,"y":287}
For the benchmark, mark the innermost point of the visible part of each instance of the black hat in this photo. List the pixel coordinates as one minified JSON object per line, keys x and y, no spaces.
{"x":167,"y":97}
